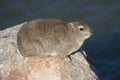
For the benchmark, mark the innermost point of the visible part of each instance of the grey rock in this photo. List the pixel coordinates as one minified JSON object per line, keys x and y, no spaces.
{"x":13,"y":66}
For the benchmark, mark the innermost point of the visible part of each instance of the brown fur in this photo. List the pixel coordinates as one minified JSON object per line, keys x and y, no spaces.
{"x":50,"y":37}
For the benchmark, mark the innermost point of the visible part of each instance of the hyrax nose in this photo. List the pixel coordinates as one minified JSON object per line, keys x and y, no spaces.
{"x":91,"y":31}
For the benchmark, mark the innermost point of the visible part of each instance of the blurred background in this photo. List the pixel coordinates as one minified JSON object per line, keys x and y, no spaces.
{"x":102,"y":16}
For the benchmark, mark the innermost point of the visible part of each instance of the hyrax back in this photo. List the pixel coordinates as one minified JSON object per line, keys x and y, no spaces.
{"x":50,"y":37}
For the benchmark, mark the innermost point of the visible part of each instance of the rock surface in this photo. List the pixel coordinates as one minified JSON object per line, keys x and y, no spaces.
{"x":15,"y":67}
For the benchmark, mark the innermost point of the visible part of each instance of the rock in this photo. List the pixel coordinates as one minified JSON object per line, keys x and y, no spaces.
{"x":13,"y":66}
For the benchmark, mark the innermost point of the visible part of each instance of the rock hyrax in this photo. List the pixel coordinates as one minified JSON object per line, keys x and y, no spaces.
{"x":51,"y":37}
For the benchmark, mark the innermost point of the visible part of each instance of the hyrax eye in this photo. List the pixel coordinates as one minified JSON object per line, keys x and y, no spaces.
{"x":81,"y":29}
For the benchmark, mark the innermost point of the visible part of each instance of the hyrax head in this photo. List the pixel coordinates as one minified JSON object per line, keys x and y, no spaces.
{"x":80,"y":29}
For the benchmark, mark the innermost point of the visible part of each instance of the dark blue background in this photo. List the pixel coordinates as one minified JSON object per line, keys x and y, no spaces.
{"x":102,"y":16}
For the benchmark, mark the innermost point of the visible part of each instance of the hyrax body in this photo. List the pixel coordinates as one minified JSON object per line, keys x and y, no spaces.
{"x":51,"y":37}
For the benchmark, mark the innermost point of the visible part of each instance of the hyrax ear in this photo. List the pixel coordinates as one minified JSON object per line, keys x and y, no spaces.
{"x":71,"y":24}
{"x":72,"y":27}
